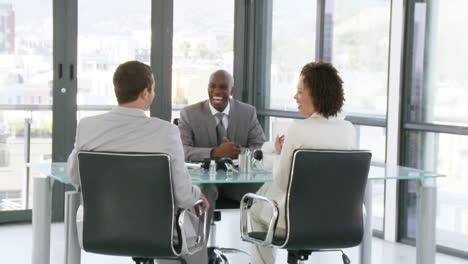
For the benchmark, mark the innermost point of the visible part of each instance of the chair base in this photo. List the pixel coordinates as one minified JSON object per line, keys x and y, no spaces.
{"x":217,"y":255}
{"x":294,"y":256}
{"x":297,"y":256}
{"x":143,"y":260}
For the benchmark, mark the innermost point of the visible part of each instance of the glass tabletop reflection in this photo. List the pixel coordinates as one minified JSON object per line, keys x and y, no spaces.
{"x":378,"y":171}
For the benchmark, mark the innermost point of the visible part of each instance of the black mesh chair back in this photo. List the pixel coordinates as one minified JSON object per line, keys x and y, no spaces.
{"x":325,"y":198}
{"x":128,"y":204}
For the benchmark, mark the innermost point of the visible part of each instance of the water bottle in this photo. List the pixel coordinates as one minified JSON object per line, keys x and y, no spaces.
{"x":212,"y":169}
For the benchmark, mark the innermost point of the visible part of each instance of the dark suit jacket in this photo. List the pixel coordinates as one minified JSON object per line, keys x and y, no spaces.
{"x":198,"y":128}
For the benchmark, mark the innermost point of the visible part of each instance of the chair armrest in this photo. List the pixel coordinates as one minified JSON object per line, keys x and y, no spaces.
{"x":246,"y":204}
{"x":200,"y":241}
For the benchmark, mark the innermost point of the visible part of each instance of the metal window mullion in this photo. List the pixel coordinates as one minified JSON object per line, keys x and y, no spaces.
{"x":7,"y":107}
{"x":393,"y":116}
{"x":413,"y":151}
{"x":252,"y":52}
{"x":27,"y":159}
{"x":262,"y":57}
{"x":263,"y":38}
{"x":249,"y":67}
{"x":324,"y":30}
{"x":162,"y":14}
{"x":436,"y":128}
{"x":244,"y":12}
{"x":64,"y":90}
{"x":355,"y":119}
{"x":319,"y":30}
{"x":64,"y":81}
{"x":367,"y":121}
{"x":240,"y":47}
{"x":405,"y":116}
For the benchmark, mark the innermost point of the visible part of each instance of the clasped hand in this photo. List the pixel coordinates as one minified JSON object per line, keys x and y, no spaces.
{"x":226,"y":149}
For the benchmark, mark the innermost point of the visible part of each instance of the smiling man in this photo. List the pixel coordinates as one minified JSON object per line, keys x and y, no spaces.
{"x":220,"y":127}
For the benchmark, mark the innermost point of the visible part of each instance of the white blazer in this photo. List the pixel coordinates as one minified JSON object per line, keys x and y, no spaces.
{"x":315,"y":132}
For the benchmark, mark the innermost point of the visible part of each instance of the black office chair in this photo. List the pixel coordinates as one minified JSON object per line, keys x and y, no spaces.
{"x":128,"y":206}
{"x":324,"y":204}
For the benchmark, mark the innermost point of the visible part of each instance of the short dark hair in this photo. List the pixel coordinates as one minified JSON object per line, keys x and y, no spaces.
{"x":130,"y":79}
{"x":325,"y":86}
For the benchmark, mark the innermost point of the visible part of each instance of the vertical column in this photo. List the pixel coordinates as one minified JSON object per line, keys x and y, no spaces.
{"x":260,"y":92}
{"x":241,"y":67}
{"x":252,"y":53}
{"x":72,"y":247}
{"x":64,"y":90}
{"x":365,"y":256}
{"x":262,"y":53}
{"x":426,"y":222}
{"x":162,"y":12}
{"x":27,"y":156}
{"x":41,"y":220}
{"x":64,"y":83}
{"x":324,"y":31}
{"x":244,"y":41}
{"x":427,"y":191}
{"x":393,"y":117}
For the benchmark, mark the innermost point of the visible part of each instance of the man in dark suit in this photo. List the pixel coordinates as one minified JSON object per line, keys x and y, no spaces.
{"x":220,"y":127}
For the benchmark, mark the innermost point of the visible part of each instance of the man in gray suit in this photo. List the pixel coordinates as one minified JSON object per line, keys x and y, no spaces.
{"x":126,"y":128}
{"x":204,"y":136}
{"x":220,"y":127}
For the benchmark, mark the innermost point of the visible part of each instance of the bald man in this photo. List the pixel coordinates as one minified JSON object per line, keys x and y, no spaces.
{"x":220,"y":127}
{"x":202,"y":133}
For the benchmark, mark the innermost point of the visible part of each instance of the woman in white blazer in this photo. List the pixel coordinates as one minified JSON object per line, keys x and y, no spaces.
{"x":320,"y":97}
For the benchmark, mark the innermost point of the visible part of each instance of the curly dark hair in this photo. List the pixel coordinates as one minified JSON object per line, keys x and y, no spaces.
{"x":130,"y":78}
{"x":325,"y":86}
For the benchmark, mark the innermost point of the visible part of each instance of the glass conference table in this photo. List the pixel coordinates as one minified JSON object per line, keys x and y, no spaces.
{"x":57,"y":171}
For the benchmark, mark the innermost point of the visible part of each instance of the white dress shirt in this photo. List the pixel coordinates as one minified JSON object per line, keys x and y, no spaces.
{"x":225,"y":112}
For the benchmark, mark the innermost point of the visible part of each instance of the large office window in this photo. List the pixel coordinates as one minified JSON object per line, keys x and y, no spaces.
{"x":373,"y":139}
{"x":446,"y":154}
{"x":293,"y":45}
{"x":25,"y":101}
{"x":437,"y":98}
{"x":443,"y":99}
{"x":451,"y":158}
{"x":360,"y":53}
{"x":110,"y":32}
{"x":203,"y":43}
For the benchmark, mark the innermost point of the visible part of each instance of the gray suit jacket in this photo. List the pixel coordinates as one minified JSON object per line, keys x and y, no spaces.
{"x":130,"y":130}
{"x":198,"y":128}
